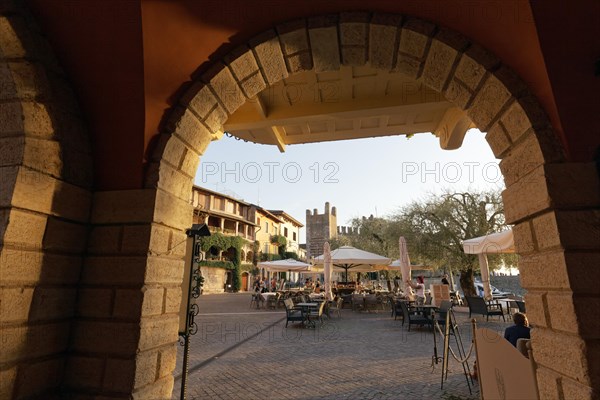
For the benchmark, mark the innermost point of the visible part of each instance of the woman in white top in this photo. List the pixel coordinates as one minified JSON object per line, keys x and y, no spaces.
{"x":420,"y":289}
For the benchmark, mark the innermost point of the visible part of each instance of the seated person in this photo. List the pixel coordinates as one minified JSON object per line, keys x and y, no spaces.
{"x":318,"y":287}
{"x":520,"y":330}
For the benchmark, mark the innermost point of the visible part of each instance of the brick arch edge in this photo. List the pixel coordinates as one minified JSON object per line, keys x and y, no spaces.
{"x":498,"y":102}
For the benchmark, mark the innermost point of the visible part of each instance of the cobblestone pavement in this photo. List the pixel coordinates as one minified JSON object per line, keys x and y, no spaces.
{"x":243,"y":353}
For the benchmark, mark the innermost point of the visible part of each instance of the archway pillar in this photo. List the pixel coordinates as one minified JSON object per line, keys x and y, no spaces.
{"x":557,"y":237}
{"x":124,"y":340}
{"x":45,"y":199}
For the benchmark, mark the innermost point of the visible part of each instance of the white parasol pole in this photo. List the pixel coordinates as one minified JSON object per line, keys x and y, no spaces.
{"x":404,"y":264}
{"x":327,"y":270}
{"x":485,"y":276}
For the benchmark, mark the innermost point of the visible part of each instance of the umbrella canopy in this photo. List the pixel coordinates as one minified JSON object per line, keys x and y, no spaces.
{"x":395,"y":266}
{"x":328,"y":270}
{"x":494,"y":243}
{"x":404,"y":263}
{"x":348,"y":257}
{"x":500,"y":242}
{"x":285,"y":265}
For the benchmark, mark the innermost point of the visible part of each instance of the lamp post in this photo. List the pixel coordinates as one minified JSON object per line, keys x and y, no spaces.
{"x":191,"y":289}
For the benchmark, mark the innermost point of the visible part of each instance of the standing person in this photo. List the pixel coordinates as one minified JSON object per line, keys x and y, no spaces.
{"x":256,"y":284}
{"x":273,"y":284}
{"x":520,"y":330}
{"x":445,"y":280}
{"x":419,"y":288}
{"x":263,"y":285}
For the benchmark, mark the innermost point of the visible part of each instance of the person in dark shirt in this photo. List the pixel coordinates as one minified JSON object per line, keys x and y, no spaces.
{"x":445,"y":280}
{"x":520,"y":330}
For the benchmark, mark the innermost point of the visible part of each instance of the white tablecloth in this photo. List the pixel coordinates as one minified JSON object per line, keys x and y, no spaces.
{"x":266,"y":295}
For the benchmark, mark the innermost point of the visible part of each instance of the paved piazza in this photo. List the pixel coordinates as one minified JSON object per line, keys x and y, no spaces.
{"x":244,"y":353}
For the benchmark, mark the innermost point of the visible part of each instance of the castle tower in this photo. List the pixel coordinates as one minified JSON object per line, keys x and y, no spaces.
{"x":319,"y":229}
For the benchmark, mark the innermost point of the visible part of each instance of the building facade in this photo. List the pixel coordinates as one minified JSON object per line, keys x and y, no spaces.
{"x":289,"y":228}
{"x":228,"y":216}
{"x":267,"y":226}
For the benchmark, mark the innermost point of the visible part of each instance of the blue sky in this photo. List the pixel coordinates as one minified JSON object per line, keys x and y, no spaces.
{"x":359,"y":177}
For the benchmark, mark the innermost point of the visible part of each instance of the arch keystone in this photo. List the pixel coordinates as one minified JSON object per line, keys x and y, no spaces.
{"x":383,"y":40}
{"x":354,"y":38}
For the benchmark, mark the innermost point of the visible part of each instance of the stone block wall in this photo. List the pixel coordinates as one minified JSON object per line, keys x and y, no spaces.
{"x":214,"y":279}
{"x":45,"y":199}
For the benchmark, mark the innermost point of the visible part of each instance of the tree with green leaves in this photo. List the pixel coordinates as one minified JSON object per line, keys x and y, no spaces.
{"x":434,"y":230}
{"x":372,"y":234}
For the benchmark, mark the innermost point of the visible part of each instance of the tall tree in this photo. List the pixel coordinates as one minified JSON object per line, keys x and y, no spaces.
{"x":377,"y":235}
{"x":435,"y":229}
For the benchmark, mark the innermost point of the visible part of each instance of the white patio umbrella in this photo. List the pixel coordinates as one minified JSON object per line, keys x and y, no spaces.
{"x":327,"y":271}
{"x":348,"y":257}
{"x":404,"y":263}
{"x":494,"y":243}
{"x":395,"y":266}
{"x":290,"y":265}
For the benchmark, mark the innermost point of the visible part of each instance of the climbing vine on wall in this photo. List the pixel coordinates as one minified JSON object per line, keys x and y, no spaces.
{"x":237,"y":273}
{"x":224,"y":243}
{"x":281,"y":243}
{"x":221,"y":242}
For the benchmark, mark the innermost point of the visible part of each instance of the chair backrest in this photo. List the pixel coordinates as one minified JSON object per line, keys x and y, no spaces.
{"x":522,"y":346}
{"x":521,"y":305}
{"x":445,"y":306}
{"x":321,"y":307}
{"x":476,"y":304}
{"x":404,"y":308}
{"x":397,"y":305}
{"x":288,"y":304}
{"x":443,"y":311}
{"x":371,"y":299}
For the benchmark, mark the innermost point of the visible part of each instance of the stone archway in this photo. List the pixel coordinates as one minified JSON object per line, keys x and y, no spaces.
{"x":546,"y":216}
{"x":123,"y":342}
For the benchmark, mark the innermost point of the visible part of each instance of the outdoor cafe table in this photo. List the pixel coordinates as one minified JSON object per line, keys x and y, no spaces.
{"x":510,"y":303}
{"x":266,"y":296}
{"x":427,"y":309}
{"x":307,"y":307}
